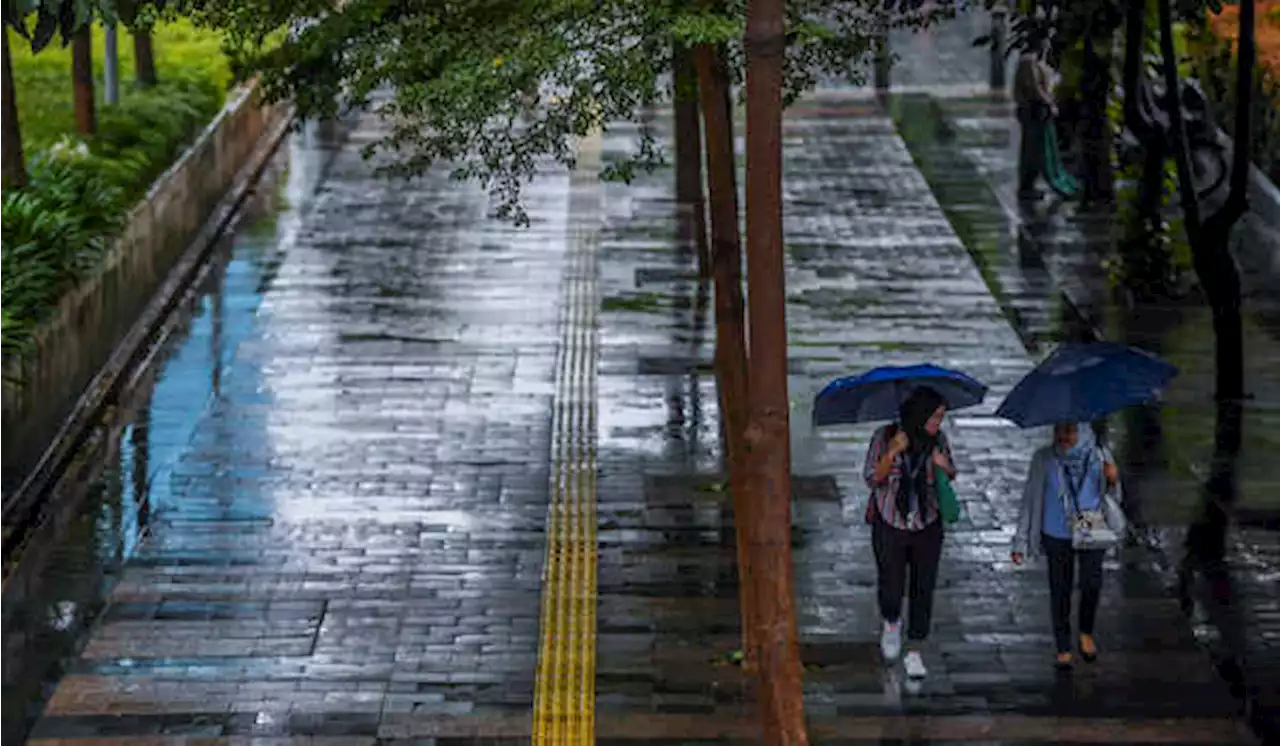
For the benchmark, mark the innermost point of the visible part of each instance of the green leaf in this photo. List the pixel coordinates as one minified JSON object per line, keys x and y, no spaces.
{"x":46,"y":27}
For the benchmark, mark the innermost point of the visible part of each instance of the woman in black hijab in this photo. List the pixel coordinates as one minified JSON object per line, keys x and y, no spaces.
{"x":906,"y":521}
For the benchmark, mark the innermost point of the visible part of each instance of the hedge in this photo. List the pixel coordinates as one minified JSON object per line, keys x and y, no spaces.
{"x":80,"y":190}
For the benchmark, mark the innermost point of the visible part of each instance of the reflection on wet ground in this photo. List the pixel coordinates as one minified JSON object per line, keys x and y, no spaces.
{"x":344,"y":463}
{"x":347,"y":511}
{"x":72,"y":562}
{"x":856,"y":207}
{"x":1036,"y":259}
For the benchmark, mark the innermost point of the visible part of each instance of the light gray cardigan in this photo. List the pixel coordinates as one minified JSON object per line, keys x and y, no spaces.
{"x":1026,"y":537}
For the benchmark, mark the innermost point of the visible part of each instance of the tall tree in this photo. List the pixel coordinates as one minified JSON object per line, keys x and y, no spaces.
{"x":144,"y":57}
{"x":768,"y":435}
{"x":15,"y":163}
{"x":111,"y":64}
{"x":82,"y":81}
{"x":496,"y":87}
{"x":731,"y":345}
{"x":1210,"y":236}
{"x":688,"y":136}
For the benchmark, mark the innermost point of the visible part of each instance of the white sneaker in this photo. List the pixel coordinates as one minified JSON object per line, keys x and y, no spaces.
{"x":891,"y":640}
{"x":914,"y":665}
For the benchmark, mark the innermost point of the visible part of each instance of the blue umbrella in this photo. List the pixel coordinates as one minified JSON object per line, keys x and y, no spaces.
{"x":877,"y":394}
{"x":1082,"y":382}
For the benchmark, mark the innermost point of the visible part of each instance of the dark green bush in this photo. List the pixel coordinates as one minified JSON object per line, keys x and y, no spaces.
{"x":56,"y":229}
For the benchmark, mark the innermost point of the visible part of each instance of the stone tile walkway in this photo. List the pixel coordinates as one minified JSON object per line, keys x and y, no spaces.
{"x":875,"y":275}
{"x":349,"y":548}
{"x":351,"y":542}
{"x":1054,"y":273}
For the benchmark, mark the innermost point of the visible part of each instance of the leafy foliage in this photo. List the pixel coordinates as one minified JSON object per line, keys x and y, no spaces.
{"x":185,"y":55}
{"x":40,"y":21}
{"x":497,"y":88}
{"x":55,"y":229}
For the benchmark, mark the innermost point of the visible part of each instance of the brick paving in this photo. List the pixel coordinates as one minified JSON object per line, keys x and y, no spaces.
{"x":348,"y":547}
{"x":1033,"y":259}
{"x":856,"y":207}
{"x":350,"y":544}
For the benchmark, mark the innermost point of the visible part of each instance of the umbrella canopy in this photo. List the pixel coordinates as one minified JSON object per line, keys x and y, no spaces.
{"x":1082,"y":382}
{"x":878,"y":393}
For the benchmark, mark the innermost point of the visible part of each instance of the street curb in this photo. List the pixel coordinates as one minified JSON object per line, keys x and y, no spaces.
{"x":23,"y":508}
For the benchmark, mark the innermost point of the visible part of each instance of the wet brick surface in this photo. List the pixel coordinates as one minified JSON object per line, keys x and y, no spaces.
{"x":856,"y":208}
{"x":347,"y":548}
{"x":352,"y":538}
{"x":967,"y":148}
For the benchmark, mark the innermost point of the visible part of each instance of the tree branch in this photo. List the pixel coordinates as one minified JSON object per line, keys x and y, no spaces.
{"x":1178,"y":127}
{"x":1237,"y":203}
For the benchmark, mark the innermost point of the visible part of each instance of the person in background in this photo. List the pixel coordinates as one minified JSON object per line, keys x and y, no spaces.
{"x":1071,"y":473}
{"x":1036,"y":110}
{"x":906,"y":523}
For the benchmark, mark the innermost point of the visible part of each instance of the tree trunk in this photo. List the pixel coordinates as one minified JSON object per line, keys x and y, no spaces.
{"x":110,"y":65}
{"x":1210,"y":253}
{"x":15,"y":163}
{"x":1095,"y":91}
{"x":144,"y":59}
{"x":693,"y":215}
{"x":731,"y":346}
{"x":82,"y":80}
{"x":768,"y":435}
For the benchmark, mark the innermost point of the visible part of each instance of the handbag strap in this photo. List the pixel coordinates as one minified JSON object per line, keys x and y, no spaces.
{"x":1073,"y":490}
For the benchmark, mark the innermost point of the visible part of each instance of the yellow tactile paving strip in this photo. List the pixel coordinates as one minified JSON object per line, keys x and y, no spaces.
{"x":564,"y":693}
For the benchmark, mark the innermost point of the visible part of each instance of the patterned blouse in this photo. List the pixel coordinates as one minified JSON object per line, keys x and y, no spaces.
{"x":884,"y":495}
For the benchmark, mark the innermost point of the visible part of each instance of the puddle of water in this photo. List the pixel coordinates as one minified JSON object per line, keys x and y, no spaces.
{"x":104,"y":501}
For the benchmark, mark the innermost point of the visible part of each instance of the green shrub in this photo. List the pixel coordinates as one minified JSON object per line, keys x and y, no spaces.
{"x":183,"y":52}
{"x":56,"y":229}
{"x":152,"y":127}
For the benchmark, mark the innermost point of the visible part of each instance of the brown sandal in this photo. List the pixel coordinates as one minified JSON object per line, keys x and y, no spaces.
{"x":1063,"y":662}
{"x":1088,"y":649}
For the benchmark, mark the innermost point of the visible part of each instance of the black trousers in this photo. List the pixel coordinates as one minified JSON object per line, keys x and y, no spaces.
{"x":1062,"y":569}
{"x":1034,"y":119}
{"x":902,"y":556}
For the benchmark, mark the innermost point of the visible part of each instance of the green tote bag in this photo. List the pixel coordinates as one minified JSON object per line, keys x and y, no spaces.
{"x":948,"y":504}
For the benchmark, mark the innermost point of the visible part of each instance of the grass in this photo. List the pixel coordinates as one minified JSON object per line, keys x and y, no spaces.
{"x":640,"y":303}
{"x":42,"y":81}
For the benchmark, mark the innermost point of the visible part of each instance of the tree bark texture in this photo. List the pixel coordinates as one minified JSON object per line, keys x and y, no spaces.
{"x":1209,"y":237}
{"x":15,"y":163}
{"x":768,"y":435}
{"x":731,"y":344}
{"x":82,"y":81}
{"x":1099,"y":182}
{"x":144,"y":59}
{"x":688,"y":130}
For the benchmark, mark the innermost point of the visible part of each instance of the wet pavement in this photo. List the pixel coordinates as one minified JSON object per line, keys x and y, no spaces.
{"x":1048,"y":266}
{"x":856,"y":206}
{"x":347,"y":537}
{"x":346,"y":459}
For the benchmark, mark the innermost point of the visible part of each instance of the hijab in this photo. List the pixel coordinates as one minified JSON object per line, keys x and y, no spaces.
{"x":913,"y":416}
{"x":1075,"y":458}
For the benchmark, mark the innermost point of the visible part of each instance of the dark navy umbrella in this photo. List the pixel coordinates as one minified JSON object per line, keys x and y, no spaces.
{"x":1082,"y":382}
{"x":877,"y":394}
